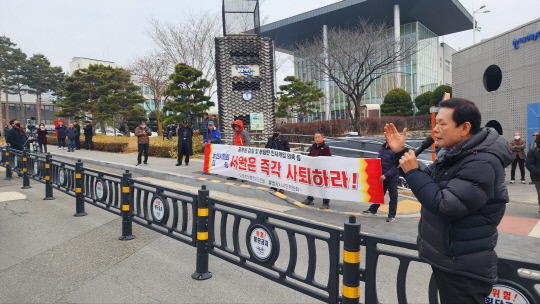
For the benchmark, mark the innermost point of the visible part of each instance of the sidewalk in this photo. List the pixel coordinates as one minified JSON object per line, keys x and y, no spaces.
{"x":164,"y":169}
{"x":49,"y":256}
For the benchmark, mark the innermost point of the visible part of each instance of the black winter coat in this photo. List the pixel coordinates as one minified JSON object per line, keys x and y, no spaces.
{"x":61,"y":131}
{"x":389,"y":169}
{"x":42,"y":136}
{"x":72,"y":133}
{"x":463,"y":199}
{"x":14,"y":139}
{"x":188,"y":140}
{"x":279,"y":143}
{"x":533,"y":162}
{"x":88,"y":130}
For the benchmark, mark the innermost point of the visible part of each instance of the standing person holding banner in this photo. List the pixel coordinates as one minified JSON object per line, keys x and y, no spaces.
{"x":390,"y":180}
{"x":319,"y":148}
{"x":463,"y":197}
{"x":277,"y":142}
{"x":240,"y":138}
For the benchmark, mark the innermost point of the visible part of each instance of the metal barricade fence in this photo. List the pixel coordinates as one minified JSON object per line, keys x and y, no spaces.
{"x":266,"y":243}
{"x":234,"y":228}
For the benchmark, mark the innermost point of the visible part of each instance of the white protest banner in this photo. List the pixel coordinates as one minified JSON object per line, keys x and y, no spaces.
{"x":335,"y":177}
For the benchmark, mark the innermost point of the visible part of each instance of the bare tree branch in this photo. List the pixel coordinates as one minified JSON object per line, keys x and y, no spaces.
{"x":152,"y":70}
{"x":191,"y":41}
{"x":358,"y":56}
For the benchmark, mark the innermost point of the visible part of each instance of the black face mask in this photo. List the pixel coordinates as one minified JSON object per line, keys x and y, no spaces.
{"x":276,"y":135}
{"x":18,"y":124}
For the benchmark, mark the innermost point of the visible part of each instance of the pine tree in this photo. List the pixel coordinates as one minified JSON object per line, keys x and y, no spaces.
{"x":298,"y":97}
{"x":42,"y":78}
{"x":187,"y":89}
{"x":397,"y":103}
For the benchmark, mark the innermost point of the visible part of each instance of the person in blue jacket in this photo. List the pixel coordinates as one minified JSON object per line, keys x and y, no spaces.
{"x":213,"y":136}
{"x":390,"y":178}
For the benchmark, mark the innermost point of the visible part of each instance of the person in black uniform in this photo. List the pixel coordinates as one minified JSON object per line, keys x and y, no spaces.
{"x":185,"y":143}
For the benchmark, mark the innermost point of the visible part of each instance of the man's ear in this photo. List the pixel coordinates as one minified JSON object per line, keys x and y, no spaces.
{"x":465,"y":128}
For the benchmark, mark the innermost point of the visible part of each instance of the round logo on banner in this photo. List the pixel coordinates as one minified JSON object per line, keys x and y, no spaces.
{"x":61,"y":177}
{"x":160,"y":209}
{"x":506,"y":294}
{"x":101,"y":190}
{"x":260,"y":243}
{"x":247,"y":95}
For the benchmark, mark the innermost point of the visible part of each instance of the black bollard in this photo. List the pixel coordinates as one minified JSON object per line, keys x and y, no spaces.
{"x":127,"y":224}
{"x":9,"y":174}
{"x":48,"y":182}
{"x":26,"y":178}
{"x":351,"y":262}
{"x":201,"y":268}
{"x":79,"y":198}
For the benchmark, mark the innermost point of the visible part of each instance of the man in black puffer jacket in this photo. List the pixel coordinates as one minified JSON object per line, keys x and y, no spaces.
{"x":463,"y":199}
{"x":533,"y":164}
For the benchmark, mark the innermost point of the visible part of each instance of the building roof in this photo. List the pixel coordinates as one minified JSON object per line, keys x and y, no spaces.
{"x":78,"y":58}
{"x":440,"y":16}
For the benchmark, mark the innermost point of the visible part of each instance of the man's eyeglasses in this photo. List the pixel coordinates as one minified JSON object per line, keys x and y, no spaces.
{"x":535,"y":134}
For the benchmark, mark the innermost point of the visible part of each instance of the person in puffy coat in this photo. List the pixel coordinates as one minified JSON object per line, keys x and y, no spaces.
{"x":143,"y":133}
{"x":533,"y":165}
{"x":61,"y":135}
{"x":42,"y":138}
{"x":319,"y":148}
{"x":463,"y":197}
{"x":390,"y":179}
{"x":241,"y":136}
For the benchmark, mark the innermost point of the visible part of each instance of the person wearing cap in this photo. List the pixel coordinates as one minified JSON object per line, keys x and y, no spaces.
{"x":213,"y":136}
{"x":88,"y":133}
{"x":277,"y":142}
{"x":204,"y":124}
{"x":143,"y":133}
{"x":215,"y":120}
{"x":185,"y":143}
{"x":78,"y":137}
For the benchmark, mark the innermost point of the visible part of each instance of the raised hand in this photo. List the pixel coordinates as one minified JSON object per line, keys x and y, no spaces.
{"x":395,"y":140}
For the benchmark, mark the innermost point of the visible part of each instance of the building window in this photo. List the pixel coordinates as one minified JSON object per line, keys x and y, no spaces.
{"x":447,"y":66}
{"x":492,"y":78}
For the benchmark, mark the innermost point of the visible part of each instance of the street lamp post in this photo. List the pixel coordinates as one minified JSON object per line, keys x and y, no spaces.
{"x":474,"y":21}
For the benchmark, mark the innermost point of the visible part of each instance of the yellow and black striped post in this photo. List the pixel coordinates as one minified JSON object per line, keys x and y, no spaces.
{"x":201,"y":268}
{"x":48,"y":182}
{"x":79,"y":198}
{"x":127,"y":224}
{"x":9,"y":174}
{"x":351,"y":262}
{"x":26,"y":178}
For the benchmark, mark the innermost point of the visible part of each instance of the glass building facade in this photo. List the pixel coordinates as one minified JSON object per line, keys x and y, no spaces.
{"x":418,"y":74}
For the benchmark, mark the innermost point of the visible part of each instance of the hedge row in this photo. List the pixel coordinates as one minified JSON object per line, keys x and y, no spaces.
{"x":116,"y":147}
{"x":158,"y":147}
{"x":368,"y":126}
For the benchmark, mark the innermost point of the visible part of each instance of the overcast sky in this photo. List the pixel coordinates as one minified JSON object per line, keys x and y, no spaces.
{"x":115,"y":30}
